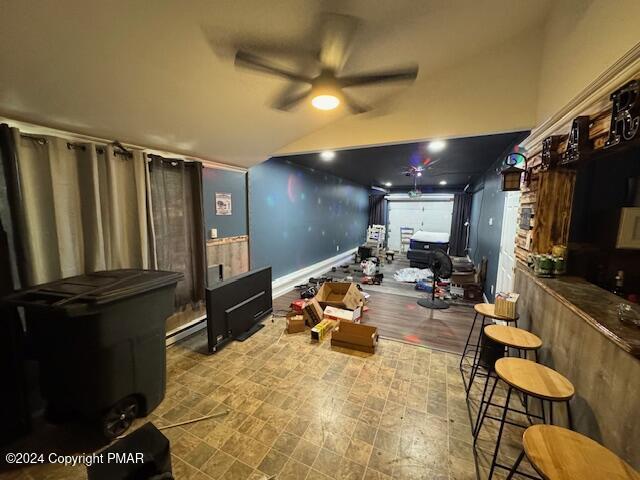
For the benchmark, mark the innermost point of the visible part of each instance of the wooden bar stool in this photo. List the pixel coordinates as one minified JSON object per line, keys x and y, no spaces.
{"x":534,"y":380}
{"x":560,"y":454}
{"x":486,"y":311}
{"x":507,"y":337}
{"x":513,"y":337}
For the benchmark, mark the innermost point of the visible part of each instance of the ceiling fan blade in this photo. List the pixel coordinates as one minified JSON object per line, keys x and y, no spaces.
{"x":432,"y":163}
{"x":407,"y":74}
{"x":291,"y":97}
{"x":336,"y":34}
{"x":354,"y":106}
{"x":255,"y":62}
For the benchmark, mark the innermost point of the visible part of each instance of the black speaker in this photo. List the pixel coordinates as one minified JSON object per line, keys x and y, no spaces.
{"x":143,"y":455}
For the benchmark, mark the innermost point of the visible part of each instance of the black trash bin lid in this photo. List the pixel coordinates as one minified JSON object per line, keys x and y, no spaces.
{"x":95,"y":288}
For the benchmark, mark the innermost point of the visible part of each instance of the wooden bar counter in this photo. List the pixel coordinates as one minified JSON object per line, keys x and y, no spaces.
{"x":584,"y":340}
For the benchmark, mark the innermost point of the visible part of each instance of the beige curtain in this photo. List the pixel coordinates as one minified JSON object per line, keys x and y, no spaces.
{"x":84,"y":207}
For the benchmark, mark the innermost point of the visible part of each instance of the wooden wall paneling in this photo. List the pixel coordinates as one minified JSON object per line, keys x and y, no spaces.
{"x":232,"y":253}
{"x":605,"y":376}
{"x":551,"y":197}
{"x":553,"y":210}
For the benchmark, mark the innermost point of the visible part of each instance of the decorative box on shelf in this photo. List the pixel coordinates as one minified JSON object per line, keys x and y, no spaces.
{"x":506,"y":304}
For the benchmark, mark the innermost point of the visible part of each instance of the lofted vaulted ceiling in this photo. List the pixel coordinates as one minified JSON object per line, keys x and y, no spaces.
{"x":160,"y":74}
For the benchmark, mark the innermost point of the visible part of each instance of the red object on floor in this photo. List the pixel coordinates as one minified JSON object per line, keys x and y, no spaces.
{"x":412,"y":338}
{"x":297,"y":305}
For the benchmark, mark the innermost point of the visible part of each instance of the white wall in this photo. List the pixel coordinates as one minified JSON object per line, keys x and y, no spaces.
{"x":582,"y":38}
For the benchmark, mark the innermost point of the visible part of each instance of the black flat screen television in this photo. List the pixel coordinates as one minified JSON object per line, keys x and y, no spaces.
{"x":236,"y":306}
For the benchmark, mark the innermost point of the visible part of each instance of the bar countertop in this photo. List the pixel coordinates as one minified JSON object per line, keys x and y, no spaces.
{"x":598,"y":307}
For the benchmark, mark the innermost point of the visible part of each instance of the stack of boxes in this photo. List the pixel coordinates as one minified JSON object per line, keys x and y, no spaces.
{"x":337,"y":306}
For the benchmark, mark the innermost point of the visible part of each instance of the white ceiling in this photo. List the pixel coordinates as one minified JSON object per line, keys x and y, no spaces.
{"x":160,"y":73}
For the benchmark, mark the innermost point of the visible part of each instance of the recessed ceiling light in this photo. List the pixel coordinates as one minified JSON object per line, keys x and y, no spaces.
{"x":388,"y":184}
{"x":443,"y":182}
{"x":325,"y":102}
{"x":436,"y":146}
{"x":327,"y":155}
{"x":419,"y":174}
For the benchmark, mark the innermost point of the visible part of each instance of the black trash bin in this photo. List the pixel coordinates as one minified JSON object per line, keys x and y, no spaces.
{"x":100,"y":342}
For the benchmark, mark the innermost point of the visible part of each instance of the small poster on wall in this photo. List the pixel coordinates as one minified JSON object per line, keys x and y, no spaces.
{"x":223,"y":204}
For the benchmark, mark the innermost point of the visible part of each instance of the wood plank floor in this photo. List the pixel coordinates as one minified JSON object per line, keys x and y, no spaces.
{"x":399,"y":317}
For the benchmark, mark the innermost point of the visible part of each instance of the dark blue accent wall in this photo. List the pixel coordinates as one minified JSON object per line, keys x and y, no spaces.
{"x":225,"y":181}
{"x":487,"y":210}
{"x":476,"y":204}
{"x":484,"y":239}
{"x":299,"y":216}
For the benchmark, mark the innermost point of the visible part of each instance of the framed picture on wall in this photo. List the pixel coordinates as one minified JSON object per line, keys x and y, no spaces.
{"x":223,"y":203}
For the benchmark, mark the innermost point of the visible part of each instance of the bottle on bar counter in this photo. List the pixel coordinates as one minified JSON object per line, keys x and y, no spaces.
{"x":618,"y":289}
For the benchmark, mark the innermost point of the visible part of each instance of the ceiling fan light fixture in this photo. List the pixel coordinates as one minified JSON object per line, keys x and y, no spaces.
{"x":436,"y":146}
{"x":325,"y":101}
{"x":327,"y":155}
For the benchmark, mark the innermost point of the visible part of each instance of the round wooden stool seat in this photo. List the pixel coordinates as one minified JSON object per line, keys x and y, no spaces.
{"x":561,"y":454}
{"x":489,"y":310}
{"x":513,"y":337}
{"x":534,"y":379}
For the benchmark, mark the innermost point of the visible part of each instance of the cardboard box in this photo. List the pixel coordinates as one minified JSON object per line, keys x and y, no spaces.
{"x":506,"y":304}
{"x":339,"y":295}
{"x":321,"y":330}
{"x":298,"y":305}
{"x":312,"y":312}
{"x":295,"y":323}
{"x":355,"y":336}
{"x":333,"y":313}
{"x":463,"y":278}
{"x":473,"y":292}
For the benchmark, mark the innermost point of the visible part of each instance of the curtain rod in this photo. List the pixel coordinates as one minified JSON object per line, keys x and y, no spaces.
{"x":42,"y":140}
{"x":80,"y":146}
{"x":72,"y":136}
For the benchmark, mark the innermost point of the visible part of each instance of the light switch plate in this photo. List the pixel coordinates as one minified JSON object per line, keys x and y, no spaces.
{"x":214,"y":233}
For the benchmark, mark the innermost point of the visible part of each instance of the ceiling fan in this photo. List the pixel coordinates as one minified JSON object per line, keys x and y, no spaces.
{"x":327,"y":88}
{"x":416,"y":173}
{"x":413,"y":171}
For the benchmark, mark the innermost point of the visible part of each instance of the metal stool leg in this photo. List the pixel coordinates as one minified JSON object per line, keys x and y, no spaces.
{"x":481,"y":406}
{"x":514,"y":469}
{"x":483,"y":413}
{"x":466,"y":345}
{"x":569,"y":416}
{"x":500,"y":430}
{"x":476,"y":356}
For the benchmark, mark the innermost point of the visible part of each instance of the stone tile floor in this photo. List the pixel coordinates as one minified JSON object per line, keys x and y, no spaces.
{"x":299,"y":410}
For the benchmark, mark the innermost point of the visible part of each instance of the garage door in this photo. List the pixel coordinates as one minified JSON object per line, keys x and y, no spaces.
{"x":427,"y":215}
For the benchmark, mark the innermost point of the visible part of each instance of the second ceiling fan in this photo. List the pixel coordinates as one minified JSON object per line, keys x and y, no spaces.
{"x":326,"y":89}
